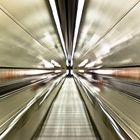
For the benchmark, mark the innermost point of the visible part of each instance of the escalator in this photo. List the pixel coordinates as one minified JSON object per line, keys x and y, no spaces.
{"x":67,"y":118}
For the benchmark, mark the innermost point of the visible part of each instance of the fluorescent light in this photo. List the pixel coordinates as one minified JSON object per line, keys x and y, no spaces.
{"x":71,"y":62}
{"x":67,"y":72}
{"x":91,"y":64}
{"x":94,"y":63}
{"x":108,"y":72}
{"x":83,"y":63}
{"x":55,"y":63}
{"x":78,"y":19}
{"x":47,"y":64}
{"x":81,"y":71}
{"x":67,"y":63}
{"x":57,"y":71}
{"x":71,"y":72}
{"x":34,"y":72}
{"x":57,"y":22}
{"x":44,"y":63}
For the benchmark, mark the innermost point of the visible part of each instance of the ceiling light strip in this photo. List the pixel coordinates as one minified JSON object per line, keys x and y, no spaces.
{"x":78,"y":20}
{"x":57,"y":22}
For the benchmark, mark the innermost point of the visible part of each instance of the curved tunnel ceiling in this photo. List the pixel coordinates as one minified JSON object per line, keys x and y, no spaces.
{"x":106,"y":29}
{"x":108,"y":35}
{"x":28,"y":36}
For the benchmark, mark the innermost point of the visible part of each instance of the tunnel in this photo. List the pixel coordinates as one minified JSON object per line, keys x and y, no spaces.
{"x":69,"y":69}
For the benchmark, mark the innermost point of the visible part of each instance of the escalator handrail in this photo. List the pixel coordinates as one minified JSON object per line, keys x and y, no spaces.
{"x":24,"y":85}
{"x":25,"y":109}
{"x":116,"y":127}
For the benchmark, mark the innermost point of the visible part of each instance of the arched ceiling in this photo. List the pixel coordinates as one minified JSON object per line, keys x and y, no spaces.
{"x":108,"y":35}
{"x":28,"y":36}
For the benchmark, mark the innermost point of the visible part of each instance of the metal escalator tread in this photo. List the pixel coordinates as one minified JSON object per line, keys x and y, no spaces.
{"x":67,"y":119}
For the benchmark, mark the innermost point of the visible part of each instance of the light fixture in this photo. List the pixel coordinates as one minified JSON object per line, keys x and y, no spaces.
{"x":78,"y":19}
{"x":67,"y":62}
{"x":67,"y":72}
{"x":34,"y":72}
{"x":44,"y":62}
{"x":81,"y":71}
{"x":55,"y":63}
{"x":91,"y":64}
{"x":83,"y":63}
{"x":94,"y":63}
{"x":57,"y":71}
{"x":47,"y":64}
{"x":57,"y":22}
{"x":106,"y":72}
